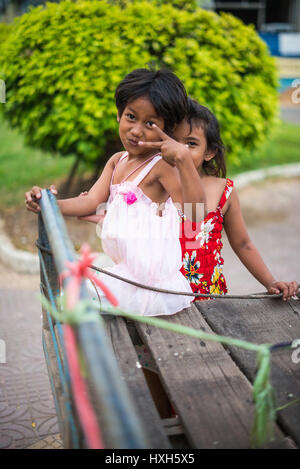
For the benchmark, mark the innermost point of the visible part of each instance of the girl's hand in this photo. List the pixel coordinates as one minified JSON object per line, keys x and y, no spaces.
{"x":170,"y":149}
{"x":92,"y":218}
{"x":288,"y":289}
{"x":35,"y":194}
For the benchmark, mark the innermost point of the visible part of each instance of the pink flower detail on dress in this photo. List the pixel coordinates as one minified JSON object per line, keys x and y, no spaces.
{"x":130,"y":198}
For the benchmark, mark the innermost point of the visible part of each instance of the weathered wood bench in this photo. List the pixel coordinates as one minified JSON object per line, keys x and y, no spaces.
{"x":210,"y":386}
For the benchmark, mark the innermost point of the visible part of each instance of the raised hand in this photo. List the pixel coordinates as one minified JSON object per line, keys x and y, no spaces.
{"x":170,"y":149}
{"x":32,"y":196}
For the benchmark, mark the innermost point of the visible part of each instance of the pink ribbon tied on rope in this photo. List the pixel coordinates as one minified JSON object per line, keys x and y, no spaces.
{"x":79,"y":270}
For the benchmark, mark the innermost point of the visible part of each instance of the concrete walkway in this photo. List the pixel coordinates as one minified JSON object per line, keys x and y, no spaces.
{"x":290,"y":114}
{"x":27,"y":412}
{"x":271,"y":211}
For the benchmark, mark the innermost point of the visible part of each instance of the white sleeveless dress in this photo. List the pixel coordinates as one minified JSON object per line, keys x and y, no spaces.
{"x":145,"y":248}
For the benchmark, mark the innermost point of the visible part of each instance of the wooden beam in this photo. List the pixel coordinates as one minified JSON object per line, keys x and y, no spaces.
{"x":263,"y":321}
{"x":211,"y":395}
{"x":134,"y":378}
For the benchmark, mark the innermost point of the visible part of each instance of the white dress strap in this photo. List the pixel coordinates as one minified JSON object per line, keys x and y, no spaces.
{"x":146,"y":170}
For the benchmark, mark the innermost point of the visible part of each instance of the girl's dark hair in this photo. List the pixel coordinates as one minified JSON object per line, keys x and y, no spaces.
{"x":198,"y":115}
{"x":164,"y":90}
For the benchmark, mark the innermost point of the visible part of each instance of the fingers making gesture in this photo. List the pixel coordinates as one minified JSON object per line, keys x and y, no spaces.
{"x":170,"y":149}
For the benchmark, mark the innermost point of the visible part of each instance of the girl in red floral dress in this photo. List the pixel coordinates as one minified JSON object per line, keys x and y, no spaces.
{"x":197,"y":140}
{"x":201,"y":242}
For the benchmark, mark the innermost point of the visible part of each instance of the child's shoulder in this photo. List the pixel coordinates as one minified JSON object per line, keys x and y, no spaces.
{"x":162,"y":167}
{"x":219,"y":184}
{"x":218,"y":191}
{"x":115,"y":158}
{"x":215,"y":182}
{"x":219,"y":181}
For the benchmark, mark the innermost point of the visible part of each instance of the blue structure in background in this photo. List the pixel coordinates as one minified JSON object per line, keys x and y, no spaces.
{"x":282,"y":44}
{"x":287,"y":47}
{"x":285,"y":83}
{"x":272,"y":41}
{"x":18,"y":7}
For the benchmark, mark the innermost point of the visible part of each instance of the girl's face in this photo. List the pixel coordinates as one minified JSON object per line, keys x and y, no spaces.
{"x":136,"y":125}
{"x":195,"y":140}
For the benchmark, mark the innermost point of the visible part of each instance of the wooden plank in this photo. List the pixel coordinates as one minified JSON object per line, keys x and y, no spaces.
{"x":208,"y":391}
{"x":50,"y":269}
{"x":134,"y":377}
{"x":263,"y":321}
{"x":60,"y":347}
{"x":172,"y":426}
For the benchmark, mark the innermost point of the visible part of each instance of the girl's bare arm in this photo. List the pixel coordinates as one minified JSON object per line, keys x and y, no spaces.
{"x":79,"y":206}
{"x":193,"y":195}
{"x":99,"y":192}
{"x":185,"y":187}
{"x":246,"y":251}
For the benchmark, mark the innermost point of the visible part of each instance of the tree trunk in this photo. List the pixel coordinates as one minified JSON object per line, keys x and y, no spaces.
{"x":67,"y":186}
{"x":111,"y":148}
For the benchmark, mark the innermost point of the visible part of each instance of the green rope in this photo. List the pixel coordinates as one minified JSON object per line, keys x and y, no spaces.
{"x":77,"y":315}
{"x":264,"y":398}
{"x":263,"y":393}
{"x":288,"y":404}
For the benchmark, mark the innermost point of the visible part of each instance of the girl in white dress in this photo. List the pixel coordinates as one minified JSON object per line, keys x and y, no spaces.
{"x":140,"y":231}
{"x":144,"y":246}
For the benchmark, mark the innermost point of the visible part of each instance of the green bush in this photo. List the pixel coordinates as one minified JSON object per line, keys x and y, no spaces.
{"x":5,"y":30}
{"x":181,"y":4}
{"x":62,"y":63}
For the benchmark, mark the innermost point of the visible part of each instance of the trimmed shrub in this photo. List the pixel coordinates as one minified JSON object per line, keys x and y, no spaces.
{"x":181,"y":4}
{"x":5,"y":30}
{"x":62,"y":63}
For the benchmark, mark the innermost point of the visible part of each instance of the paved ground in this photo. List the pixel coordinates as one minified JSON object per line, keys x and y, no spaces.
{"x":27,"y":412}
{"x":271,"y":210}
{"x":290,"y":114}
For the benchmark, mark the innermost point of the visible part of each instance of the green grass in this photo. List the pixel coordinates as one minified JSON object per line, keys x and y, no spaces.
{"x":22,"y":167}
{"x":282,"y":147}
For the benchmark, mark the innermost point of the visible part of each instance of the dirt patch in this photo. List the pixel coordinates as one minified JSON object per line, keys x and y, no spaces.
{"x":22,"y":226}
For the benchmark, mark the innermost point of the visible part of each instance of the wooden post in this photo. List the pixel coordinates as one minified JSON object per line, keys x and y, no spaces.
{"x":115,"y":410}
{"x":50,"y":268}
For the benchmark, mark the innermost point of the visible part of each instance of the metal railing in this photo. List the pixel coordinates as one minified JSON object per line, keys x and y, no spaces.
{"x":116,"y":417}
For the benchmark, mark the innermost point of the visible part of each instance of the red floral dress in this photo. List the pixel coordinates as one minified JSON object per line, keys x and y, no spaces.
{"x":201,"y":245}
